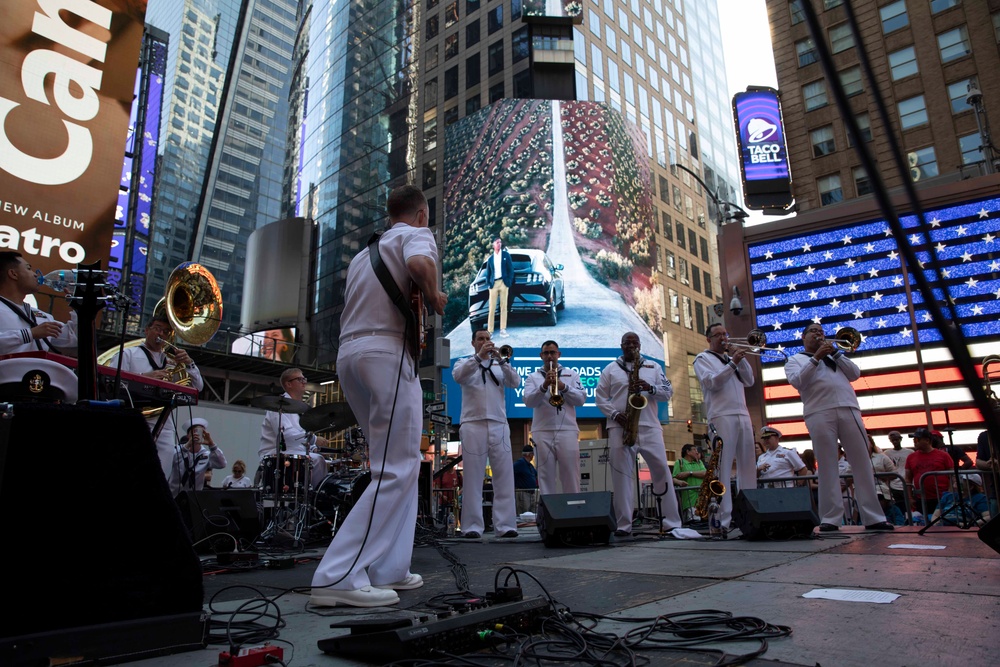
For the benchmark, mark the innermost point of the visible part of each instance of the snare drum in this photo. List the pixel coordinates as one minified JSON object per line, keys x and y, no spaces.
{"x":338,"y":493}
{"x":293,"y":474}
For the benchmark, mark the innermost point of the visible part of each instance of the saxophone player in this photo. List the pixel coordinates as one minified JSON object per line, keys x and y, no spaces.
{"x":629,"y":377}
{"x":723,"y":379}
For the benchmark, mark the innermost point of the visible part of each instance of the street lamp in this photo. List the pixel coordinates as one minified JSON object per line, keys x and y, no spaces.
{"x":727,"y":210}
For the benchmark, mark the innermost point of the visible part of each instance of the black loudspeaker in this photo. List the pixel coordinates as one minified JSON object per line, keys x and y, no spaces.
{"x":107,"y":555}
{"x":989,"y":533}
{"x":219,"y":519}
{"x":575,"y":519}
{"x":774,"y":514}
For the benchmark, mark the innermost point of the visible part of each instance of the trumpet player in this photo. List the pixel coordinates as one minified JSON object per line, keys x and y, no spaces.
{"x":627,"y":377}
{"x":823,"y":376}
{"x":485,"y":434}
{"x":554,"y":393}
{"x":152,"y":360}
{"x":724,"y":372}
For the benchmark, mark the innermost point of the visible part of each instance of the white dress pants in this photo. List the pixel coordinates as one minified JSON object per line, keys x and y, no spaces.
{"x":825,"y":427}
{"x":483,"y":441}
{"x":557,"y":454}
{"x":736,"y":432}
{"x":650,"y":445}
{"x":375,"y":543}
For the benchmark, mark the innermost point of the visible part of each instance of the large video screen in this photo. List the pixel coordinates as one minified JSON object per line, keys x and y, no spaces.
{"x":565,"y":187}
{"x":853,"y":276}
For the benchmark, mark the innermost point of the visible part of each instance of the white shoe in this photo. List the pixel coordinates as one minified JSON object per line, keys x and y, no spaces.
{"x":367,"y":596}
{"x":503,"y":333}
{"x":409,"y":582}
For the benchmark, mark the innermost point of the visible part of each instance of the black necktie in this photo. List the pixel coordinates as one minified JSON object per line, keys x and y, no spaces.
{"x":727,"y":360}
{"x":486,"y":370}
{"x":830,"y":363}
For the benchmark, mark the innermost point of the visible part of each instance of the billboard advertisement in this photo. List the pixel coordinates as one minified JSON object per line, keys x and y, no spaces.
{"x":760,"y":135}
{"x":853,"y":276}
{"x":565,"y":187}
{"x":67,"y":73}
{"x":272,"y":344}
{"x":554,"y":9}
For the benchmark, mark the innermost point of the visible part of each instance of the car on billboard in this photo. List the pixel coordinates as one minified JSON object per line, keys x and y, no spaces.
{"x":537,"y":290}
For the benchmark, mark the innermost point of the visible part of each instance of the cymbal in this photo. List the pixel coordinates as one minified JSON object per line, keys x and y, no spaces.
{"x":280,"y":404}
{"x":332,"y":416}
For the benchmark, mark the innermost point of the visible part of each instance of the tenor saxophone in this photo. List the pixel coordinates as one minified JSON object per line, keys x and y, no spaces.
{"x":710,"y":484}
{"x":634,"y":406}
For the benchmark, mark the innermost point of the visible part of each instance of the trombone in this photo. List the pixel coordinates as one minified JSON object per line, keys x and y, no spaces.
{"x":848,"y":339}
{"x":755,"y":343}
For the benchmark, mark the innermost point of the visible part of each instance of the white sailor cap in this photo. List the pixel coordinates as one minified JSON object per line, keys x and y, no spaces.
{"x":33,"y":379}
{"x":197,"y":421}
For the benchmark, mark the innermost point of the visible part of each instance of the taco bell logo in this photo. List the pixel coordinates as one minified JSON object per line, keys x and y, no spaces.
{"x":759,"y":130}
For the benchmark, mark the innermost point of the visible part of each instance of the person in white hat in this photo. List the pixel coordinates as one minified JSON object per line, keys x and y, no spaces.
{"x":196,"y":454}
{"x":24,"y":328}
{"x":778,"y":461}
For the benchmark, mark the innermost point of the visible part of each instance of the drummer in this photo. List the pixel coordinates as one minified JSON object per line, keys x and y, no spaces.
{"x":281,"y":431}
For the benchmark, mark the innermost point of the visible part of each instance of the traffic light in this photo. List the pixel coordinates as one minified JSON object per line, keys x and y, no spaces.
{"x":689,"y":426}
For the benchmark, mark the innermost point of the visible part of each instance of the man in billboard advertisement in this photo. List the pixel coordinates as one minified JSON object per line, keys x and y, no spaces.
{"x":67,"y":73}
{"x":565,"y":186}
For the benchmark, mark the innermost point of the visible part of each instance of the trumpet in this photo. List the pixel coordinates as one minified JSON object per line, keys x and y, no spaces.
{"x":755,"y":343}
{"x":503,"y":353}
{"x":848,"y":339}
{"x":555,"y":398}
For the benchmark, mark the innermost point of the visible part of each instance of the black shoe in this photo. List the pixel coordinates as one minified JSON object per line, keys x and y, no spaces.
{"x":882,"y":526}
{"x":471,"y":535}
{"x":828,"y":528}
{"x":510,"y":533}
{"x":622,"y":533}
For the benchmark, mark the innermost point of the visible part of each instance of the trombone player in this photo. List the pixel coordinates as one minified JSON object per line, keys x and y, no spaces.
{"x":823,"y":374}
{"x":554,"y":393}
{"x":723,"y":380}
{"x":152,"y":359}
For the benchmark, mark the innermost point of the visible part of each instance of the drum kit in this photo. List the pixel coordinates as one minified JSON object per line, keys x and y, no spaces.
{"x":285,"y":479}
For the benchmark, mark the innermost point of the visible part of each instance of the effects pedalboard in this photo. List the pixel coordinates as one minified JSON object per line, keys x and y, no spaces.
{"x":380,"y":640}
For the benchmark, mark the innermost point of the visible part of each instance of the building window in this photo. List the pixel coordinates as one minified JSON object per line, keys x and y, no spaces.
{"x":806,"y":50}
{"x":451,"y":82}
{"x":472,"y":34}
{"x":822,"y":141}
{"x":912,"y":112}
{"x":450,"y":116}
{"x":923,"y":163}
{"x":494,"y":19}
{"x":841,"y":38}
{"x":432,"y":27}
{"x":430,"y":134}
{"x":862,"y":184}
{"x":686,"y":309}
{"x":495,"y":58}
{"x":451,"y":14}
{"x":814,"y":95}
{"x":471,"y":6}
{"x":451,"y":46}
{"x":519,"y":45}
{"x":693,"y":242}
{"x":969,"y":145}
{"x":522,"y":85}
{"x":472,"y":105}
{"x":664,"y":190}
{"x":830,"y":191}
{"x":668,"y":227}
{"x":850,"y":79}
{"x":830,"y":4}
{"x":703,"y":244}
{"x":680,"y":235}
{"x":941,"y":5}
{"x":431,"y":4}
{"x":708,"y":283}
{"x":894,"y":16}
{"x":675,"y":315}
{"x":864,"y":127}
{"x":957,"y":93}
{"x":515,"y":9}
{"x":430,"y":173}
{"x":496,"y":92}
{"x":696,"y":281}
{"x":472,"y":68}
{"x":903,"y":63}
{"x":795,"y":11}
{"x":432,"y":57}
{"x":671,"y":263}
{"x":954,"y":44}
{"x":682,"y":271}
{"x":431,"y":93}
{"x":678,"y":200}
{"x":996,"y":26}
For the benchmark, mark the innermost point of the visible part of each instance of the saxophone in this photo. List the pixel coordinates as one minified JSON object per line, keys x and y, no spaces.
{"x":710,"y":484}
{"x":634,"y":406}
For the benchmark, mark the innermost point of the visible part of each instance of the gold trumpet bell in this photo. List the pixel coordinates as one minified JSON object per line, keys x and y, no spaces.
{"x":193,"y":303}
{"x":848,"y":339}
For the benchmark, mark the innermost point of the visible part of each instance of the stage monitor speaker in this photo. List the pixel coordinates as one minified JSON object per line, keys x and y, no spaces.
{"x":84,"y":497}
{"x":231,"y":515}
{"x":774,"y":514}
{"x":575,"y":519}
{"x":989,"y":533}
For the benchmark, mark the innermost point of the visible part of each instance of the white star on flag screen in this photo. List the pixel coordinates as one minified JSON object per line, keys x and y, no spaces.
{"x":852,"y":276}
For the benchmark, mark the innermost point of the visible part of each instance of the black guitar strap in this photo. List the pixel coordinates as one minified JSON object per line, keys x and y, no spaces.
{"x":395,"y":295}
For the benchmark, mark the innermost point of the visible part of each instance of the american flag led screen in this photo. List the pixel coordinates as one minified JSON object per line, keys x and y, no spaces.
{"x":852,"y":276}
